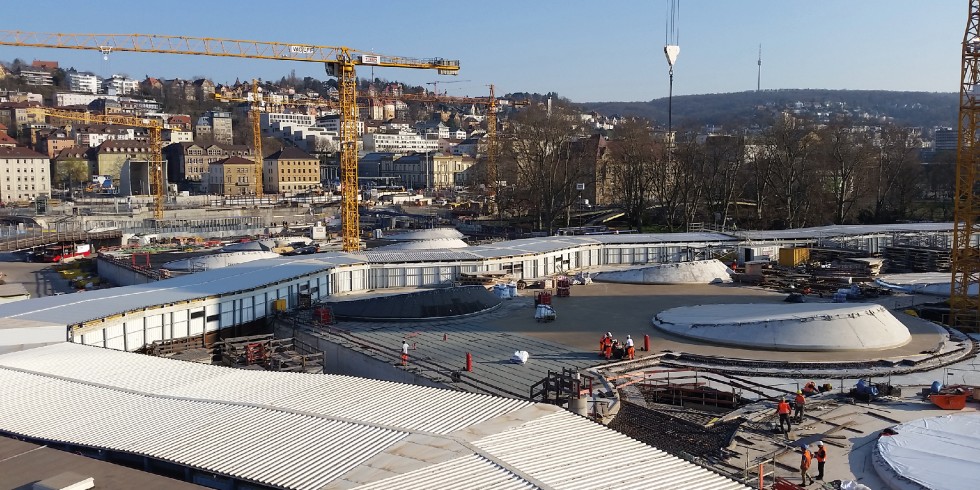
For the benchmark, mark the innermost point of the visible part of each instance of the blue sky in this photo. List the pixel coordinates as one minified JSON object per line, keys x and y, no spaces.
{"x":586,"y":51}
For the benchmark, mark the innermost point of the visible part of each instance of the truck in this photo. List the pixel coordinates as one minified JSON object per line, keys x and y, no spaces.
{"x":58,"y":253}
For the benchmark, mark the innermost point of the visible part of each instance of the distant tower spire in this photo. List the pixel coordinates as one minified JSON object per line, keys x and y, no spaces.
{"x":758,"y":79}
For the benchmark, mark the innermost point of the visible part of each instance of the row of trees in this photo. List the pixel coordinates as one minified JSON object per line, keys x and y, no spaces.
{"x":792,"y":174}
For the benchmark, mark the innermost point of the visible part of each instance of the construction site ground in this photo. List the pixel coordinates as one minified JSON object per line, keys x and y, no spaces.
{"x":438,"y":349}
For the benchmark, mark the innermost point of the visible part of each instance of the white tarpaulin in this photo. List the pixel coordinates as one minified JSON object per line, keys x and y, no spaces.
{"x":936,"y":452}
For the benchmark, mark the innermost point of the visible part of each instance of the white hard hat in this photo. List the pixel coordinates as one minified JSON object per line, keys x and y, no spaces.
{"x":608,"y":334}
{"x":820,"y":443}
{"x":628,"y":337}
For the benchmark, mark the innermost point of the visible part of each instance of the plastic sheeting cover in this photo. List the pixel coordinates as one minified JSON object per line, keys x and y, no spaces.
{"x":936,"y":452}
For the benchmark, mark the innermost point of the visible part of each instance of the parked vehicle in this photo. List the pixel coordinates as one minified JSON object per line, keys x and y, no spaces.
{"x":57,"y":253}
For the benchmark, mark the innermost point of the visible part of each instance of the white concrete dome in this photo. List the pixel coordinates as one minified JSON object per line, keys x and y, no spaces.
{"x":694,"y":272}
{"x":934,"y":452}
{"x":788,"y":327}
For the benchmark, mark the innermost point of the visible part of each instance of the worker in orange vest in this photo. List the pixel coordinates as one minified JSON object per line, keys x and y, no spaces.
{"x":805,"y":464}
{"x":799,"y":402}
{"x":783,"y":410}
{"x":605,"y":346}
{"x":821,"y":455}
{"x":630,"y":350}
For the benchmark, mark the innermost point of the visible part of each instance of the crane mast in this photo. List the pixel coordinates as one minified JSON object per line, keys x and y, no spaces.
{"x":339,"y":62}
{"x":965,"y":259}
{"x":255,"y":115}
{"x":155,"y":140}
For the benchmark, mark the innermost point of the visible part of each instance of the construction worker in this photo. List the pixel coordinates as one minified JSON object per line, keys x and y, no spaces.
{"x":810,"y":389}
{"x":602,"y":343}
{"x":805,"y":465}
{"x":821,"y":455}
{"x":630,"y":350}
{"x":404,"y":352}
{"x":608,"y":349}
{"x":783,"y":410}
{"x":799,"y":402}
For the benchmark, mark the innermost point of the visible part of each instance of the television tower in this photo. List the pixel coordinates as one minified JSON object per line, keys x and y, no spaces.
{"x":758,"y":78}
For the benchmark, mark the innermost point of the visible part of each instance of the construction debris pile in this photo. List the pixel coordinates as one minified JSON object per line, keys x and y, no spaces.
{"x":266,"y":352}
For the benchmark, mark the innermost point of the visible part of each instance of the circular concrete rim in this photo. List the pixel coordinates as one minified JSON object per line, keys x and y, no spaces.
{"x":817,"y":327}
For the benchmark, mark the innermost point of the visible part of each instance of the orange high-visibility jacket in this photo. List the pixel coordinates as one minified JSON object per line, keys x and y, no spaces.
{"x":800,"y":399}
{"x":805,"y":461}
{"x":821,"y":454}
{"x":783,"y":407}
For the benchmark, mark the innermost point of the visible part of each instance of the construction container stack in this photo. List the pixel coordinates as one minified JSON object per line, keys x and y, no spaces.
{"x":564,"y":288}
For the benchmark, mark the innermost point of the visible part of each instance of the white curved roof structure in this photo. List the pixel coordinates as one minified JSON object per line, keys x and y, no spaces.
{"x":695,"y":272}
{"x":436,"y":244}
{"x":316,"y":431}
{"x":933,"y":283}
{"x":935,"y":452}
{"x":216,"y":261}
{"x":428,"y":234}
{"x":792,"y":327}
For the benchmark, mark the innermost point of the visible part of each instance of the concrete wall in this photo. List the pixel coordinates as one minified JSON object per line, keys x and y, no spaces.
{"x":340,"y":359}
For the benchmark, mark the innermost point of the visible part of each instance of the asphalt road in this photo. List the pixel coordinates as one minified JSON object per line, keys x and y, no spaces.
{"x":38,"y":279}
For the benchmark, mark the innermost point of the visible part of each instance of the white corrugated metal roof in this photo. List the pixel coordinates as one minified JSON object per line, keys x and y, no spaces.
{"x":304,"y":431}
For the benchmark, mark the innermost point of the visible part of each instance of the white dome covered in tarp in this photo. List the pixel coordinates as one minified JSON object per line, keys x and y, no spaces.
{"x":934,"y":452}
{"x":788,"y":327}
{"x":694,"y":272}
{"x":934,"y":283}
{"x":429,"y":234}
{"x":252,"y":246}
{"x":217,"y":261}
{"x":438,"y":244}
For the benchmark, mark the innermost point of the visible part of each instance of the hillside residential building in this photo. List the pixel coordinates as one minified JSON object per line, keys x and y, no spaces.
{"x":24,"y":175}
{"x":215,"y":125}
{"x":71,"y":167}
{"x":113,"y":155}
{"x":404,"y":141}
{"x":120,"y":85}
{"x":331,"y":122}
{"x":188,"y":163}
{"x":232,"y":176}
{"x":36,"y":77}
{"x":83,"y":82}
{"x":290,"y":170}
{"x":53,"y":145}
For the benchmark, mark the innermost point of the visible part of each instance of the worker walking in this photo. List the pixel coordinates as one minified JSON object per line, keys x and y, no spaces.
{"x":630,"y":350}
{"x":799,"y":403}
{"x":821,"y":455}
{"x":783,"y":410}
{"x":404,"y":352}
{"x":805,"y":465}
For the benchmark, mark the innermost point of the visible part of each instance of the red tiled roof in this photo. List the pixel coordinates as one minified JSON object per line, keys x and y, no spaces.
{"x":20,"y":152}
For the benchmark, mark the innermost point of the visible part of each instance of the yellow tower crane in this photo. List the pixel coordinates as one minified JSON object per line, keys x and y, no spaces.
{"x":258,"y":105}
{"x":339,"y":61}
{"x":492,"y":107}
{"x":965,"y":259}
{"x":153,"y":127}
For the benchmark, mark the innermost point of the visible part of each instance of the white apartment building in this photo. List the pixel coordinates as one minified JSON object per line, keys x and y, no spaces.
{"x":177,"y":136}
{"x":83,"y":82}
{"x":268,"y":119}
{"x":64,"y":99}
{"x":120,"y":85}
{"x":23,"y":174}
{"x":401,"y":142}
{"x":331,"y":122}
